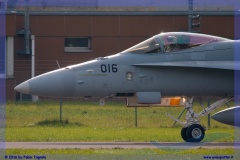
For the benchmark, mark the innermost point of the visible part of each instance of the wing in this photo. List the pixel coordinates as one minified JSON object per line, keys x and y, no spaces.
{"x":227,"y":65}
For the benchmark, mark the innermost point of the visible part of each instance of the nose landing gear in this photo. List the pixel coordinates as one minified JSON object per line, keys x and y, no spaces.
{"x":192,"y":131}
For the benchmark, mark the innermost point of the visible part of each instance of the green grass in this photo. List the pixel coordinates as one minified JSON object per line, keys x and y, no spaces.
{"x":87,"y":121}
{"x":119,"y":151}
{"x":114,"y":114}
{"x":80,"y":134}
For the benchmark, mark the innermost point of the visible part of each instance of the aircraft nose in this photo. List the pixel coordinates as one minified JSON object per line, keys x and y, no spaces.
{"x":58,"y":83}
{"x":23,"y":87}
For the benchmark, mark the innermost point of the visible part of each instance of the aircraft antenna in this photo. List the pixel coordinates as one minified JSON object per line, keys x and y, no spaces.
{"x":58,"y":64}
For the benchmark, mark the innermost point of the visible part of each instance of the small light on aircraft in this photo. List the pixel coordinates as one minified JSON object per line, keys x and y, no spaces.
{"x":184,"y":100}
{"x":129,"y":76}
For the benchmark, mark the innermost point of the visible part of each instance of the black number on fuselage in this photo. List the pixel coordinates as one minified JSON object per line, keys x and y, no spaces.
{"x":109,"y":68}
{"x":114,"y":68}
{"x":103,"y":68}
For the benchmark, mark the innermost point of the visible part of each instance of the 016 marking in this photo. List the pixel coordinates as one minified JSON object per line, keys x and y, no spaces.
{"x":109,"y":68}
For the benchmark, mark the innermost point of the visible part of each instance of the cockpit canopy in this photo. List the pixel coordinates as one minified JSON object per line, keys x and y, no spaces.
{"x":172,"y":42}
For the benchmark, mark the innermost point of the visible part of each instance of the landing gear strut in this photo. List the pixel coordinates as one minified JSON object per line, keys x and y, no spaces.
{"x":192,"y":131}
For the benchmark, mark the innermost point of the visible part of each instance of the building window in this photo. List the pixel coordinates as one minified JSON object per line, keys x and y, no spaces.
{"x":77,"y":44}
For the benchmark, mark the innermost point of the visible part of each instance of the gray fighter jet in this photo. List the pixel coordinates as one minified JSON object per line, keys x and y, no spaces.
{"x":168,"y":64}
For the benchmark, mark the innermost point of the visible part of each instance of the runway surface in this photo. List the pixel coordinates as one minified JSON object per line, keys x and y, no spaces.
{"x":119,"y":145}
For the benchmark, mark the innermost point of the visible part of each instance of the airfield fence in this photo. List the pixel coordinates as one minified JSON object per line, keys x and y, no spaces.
{"x":88,"y":112}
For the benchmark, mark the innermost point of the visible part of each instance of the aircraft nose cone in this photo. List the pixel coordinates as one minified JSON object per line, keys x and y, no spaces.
{"x":228,"y":116}
{"x":23,"y":87}
{"x":225,"y":116}
{"x":219,"y":117}
{"x":58,"y":83}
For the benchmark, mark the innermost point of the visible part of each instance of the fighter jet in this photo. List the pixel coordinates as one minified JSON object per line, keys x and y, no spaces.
{"x":165,"y":65}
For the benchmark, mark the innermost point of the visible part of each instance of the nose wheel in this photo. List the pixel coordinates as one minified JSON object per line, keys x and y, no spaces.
{"x":193,"y":133}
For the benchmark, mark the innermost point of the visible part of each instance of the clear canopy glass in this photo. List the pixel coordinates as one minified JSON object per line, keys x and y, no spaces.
{"x":172,"y":42}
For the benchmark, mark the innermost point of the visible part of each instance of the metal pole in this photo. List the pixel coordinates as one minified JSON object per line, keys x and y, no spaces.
{"x":26,"y":29}
{"x":60,"y":110}
{"x":33,"y":56}
{"x":136,"y":117}
{"x":60,"y":100}
{"x":190,"y":13}
{"x":209,"y":116}
{"x":179,"y":116}
{"x":34,"y":97}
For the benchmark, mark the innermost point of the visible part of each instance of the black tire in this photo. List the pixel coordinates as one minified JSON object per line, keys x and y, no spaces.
{"x":184,"y":134}
{"x":195,"y":133}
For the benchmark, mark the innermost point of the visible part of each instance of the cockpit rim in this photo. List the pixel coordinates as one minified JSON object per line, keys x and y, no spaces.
{"x":143,"y":47}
